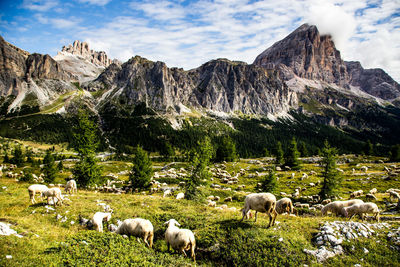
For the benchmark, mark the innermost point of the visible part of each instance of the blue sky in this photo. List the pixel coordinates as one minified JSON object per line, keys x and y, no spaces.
{"x":189,"y":33}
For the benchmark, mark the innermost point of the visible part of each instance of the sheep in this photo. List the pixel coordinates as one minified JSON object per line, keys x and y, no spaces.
{"x":326,"y":201}
{"x":260,"y":202}
{"x":373,"y":191}
{"x":292,"y":175}
{"x":364,"y":168}
{"x":71,"y":187}
{"x":212,"y":203}
{"x":284,"y":205}
{"x":394,"y":194}
{"x":180,"y":239}
{"x":370,"y":196}
{"x":305,"y":176}
{"x":137,"y":227}
{"x":228,"y":199}
{"x":35,"y":189}
{"x":296,"y":193}
{"x":180,"y":196}
{"x":360,"y":209}
{"x":98,"y":219}
{"x":167,"y":192}
{"x":356,"y":194}
{"x":336,"y":206}
{"x":54,"y":193}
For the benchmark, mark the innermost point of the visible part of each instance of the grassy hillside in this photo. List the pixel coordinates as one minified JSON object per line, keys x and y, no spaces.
{"x":221,"y":238}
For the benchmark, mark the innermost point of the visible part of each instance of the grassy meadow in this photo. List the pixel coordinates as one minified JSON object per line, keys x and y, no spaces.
{"x":221,"y":238}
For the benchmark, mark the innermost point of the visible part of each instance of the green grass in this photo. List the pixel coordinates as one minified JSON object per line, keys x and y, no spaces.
{"x":220,"y":236}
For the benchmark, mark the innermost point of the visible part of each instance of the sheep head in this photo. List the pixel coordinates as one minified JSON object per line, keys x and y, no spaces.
{"x":172,"y":222}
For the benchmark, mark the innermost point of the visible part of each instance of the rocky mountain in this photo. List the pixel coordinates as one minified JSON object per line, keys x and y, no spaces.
{"x":83,"y":62}
{"x":34,"y":78}
{"x":306,"y":58}
{"x":217,"y":86}
{"x":82,"y":49}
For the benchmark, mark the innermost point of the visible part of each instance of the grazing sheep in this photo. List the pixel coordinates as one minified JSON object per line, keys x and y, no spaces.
{"x":337,"y":206}
{"x":326,"y":201}
{"x":260,"y":202}
{"x":71,"y":187}
{"x":98,"y":219}
{"x":370,"y":196}
{"x":54,"y":193}
{"x":180,"y":239}
{"x":360,"y":209}
{"x":137,"y":227}
{"x":36,"y":189}
{"x":180,"y":196}
{"x":212,"y":203}
{"x":292,"y":175}
{"x":373,"y":191}
{"x":364,"y":168}
{"x":394,"y":194}
{"x":228,"y":199}
{"x":304,"y":176}
{"x":296,"y":193}
{"x":284,"y":205}
{"x":167,"y":192}
{"x":356,"y":194}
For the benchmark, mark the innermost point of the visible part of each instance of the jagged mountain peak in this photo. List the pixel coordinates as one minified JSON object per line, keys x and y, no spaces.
{"x":305,"y":58}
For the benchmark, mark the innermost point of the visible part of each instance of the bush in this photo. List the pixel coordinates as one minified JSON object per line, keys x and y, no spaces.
{"x":269,"y":182}
{"x":27,"y":177}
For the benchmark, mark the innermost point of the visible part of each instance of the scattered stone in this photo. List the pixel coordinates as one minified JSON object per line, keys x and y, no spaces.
{"x":8,"y":257}
{"x":280,"y":239}
{"x":366,"y":251}
{"x":6,"y":230}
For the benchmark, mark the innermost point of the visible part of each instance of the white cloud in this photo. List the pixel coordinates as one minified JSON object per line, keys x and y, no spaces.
{"x":39,"y":5}
{"x":188,"y":36}
{"x":95,"y":2}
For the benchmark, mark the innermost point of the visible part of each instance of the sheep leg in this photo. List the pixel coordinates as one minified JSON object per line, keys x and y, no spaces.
{"x":151,"y":236}
{"x":145,"y":236}
{"x":244,"y":212}
{"x":192,"y":252}
{"x":168,"y":247}
{"x":255,"y":217}
{"x":183,"y":251}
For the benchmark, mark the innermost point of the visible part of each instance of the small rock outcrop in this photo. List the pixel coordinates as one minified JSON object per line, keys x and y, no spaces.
{"x":82,"y":49}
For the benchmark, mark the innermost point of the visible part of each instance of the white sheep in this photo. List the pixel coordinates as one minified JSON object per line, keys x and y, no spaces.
{"x":337,"y":206}
{"x":137,"y":227}
{"x":361,"y":209}
{"x":180,"y":239}
{"x":71,"y":187}
{"x":260,"y":202}
{"x":305,"y":176}
{"x":98,"y":219}
{"x":292,"y":175}
{"x":284,"y":205}
{"x":373,"y":191}
{"x":54,"y":193}
{"x":36,"y":189}
{"x":167,"y":192}
{"x":180,"y":196}
{"x":364,"y":168}
{"x":394,"y":194}
{"x":356,"y":194}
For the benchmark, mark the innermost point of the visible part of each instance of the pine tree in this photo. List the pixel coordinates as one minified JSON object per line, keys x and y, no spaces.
{"x":369,"y":148}
{"x":269,"y":182}
{"x":18,"y":156}
{"x":303,"y":149}
{"x":292,"y":156}
{"x":279,"y":154}
{"x":226,"y":150}
{"x":6,"y":158}
{"x":85,"y":142}
{"x":199,"y":159}
{"x":142,"y":171}
{"x":332,"y":179}
{"x":49,"y":168}
{"x":395,"y":153}
{"x":266,"y":152}
{"x":167,"y":151}
{"x":60,"y":165}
